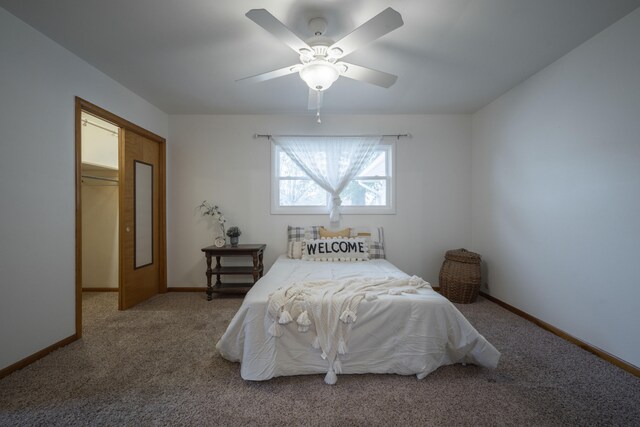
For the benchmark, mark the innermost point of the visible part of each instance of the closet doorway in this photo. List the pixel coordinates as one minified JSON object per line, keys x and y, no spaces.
{"x":99,"y":198}
{"x":120,"y":208}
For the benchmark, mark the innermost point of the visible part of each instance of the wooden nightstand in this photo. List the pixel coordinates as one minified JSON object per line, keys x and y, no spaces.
{"x":256,"y":252}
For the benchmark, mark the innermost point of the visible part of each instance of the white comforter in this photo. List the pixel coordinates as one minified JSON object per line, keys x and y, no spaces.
{"x":401,"y":334}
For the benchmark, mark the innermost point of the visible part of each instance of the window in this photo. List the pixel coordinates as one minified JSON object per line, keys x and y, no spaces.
{"x":293,"y":192}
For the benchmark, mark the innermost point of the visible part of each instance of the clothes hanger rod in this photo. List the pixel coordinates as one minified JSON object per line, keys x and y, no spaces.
{"x":395,"y":135}
{"x":101,"y":178}
{"x":111,"y":131}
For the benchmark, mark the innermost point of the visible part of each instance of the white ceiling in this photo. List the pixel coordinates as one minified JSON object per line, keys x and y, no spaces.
{"x":451,"y":56}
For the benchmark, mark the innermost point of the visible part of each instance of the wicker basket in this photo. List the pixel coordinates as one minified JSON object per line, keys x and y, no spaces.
{"x":460,"y":276}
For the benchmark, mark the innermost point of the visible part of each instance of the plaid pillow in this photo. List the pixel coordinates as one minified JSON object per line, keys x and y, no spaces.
{"x":295,"y":234}
{"x":312,"y":232}
{"x":376,"y":250}
{"x":375,"y":238}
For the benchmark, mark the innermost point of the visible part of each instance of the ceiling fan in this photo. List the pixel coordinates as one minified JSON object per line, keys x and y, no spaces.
{"x":320,"y":65}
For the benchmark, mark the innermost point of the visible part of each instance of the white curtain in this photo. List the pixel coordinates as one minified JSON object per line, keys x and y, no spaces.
{"x":331,"y":162}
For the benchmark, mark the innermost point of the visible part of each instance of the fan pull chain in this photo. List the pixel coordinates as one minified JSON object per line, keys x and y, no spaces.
{"x":318,"y":109}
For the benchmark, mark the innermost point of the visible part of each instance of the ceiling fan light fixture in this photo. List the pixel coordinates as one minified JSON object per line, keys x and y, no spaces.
{"x":306,"y":56}
{"x":319,"y":75}
{"x":335,"y":52}
{"x":319,"y":67}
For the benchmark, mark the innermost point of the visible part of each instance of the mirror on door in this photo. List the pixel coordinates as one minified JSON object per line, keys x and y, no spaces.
{"x":143,"y":194}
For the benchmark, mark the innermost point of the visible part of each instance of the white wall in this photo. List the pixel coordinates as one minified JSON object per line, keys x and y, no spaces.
{"x":216,"y":158}
{"x":556,"y":192}
{"x":38,"y":82}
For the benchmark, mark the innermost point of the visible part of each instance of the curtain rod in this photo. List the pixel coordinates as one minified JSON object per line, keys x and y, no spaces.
{"x":395,"y":135}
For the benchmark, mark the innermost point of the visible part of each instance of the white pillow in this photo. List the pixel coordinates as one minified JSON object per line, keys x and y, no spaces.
{"x":336,"y":249}
{"x":295,"y":250}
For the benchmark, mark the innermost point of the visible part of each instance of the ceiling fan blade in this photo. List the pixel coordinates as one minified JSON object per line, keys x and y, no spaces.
{"x":271,"y":74}
{"x":368,"y":75}
{"x":381,"y":24}
{"x":315,"y":99}
{"x":270,"y":23}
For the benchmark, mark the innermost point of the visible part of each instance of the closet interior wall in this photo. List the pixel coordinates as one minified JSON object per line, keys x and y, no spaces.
{"x":99,"y":204}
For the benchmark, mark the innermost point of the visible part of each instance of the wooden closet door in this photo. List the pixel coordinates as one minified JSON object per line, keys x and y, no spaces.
{"x":139,"y":219}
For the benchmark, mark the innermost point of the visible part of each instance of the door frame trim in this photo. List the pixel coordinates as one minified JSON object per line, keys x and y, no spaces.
{"x":83,"y":105}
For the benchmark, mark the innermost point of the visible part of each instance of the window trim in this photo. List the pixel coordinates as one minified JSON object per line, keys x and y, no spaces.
{"x":389,"y":209}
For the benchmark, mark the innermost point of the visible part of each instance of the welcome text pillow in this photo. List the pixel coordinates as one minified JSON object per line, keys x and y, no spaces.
{"x":336,"y":249}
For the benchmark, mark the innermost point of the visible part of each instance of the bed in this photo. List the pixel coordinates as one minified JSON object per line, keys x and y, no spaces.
{"x":406,"y":333}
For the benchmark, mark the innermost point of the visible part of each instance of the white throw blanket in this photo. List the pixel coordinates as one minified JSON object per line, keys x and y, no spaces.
{"x":330,"y":307}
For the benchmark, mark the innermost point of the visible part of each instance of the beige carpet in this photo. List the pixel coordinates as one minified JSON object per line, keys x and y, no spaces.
{"x":156,"y":365}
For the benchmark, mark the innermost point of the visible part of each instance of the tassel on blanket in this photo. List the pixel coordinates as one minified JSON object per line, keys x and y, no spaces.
{"x":285,"y":317}
{"x":275,"y":329}
{"x":316,"y":343}
{"x":331,"y":378}
{"x":342,"y":347}
{"x":348,"y":316}
{"x":337,"y":366}
{"x":303,"y":319}
{"x":303,"y":322}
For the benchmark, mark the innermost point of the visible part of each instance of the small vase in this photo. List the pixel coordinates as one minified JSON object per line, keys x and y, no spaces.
{"x":234,"y":241}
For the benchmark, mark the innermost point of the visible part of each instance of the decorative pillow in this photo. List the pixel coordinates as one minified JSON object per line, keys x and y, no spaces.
{"x":336,"y":249}
{"x":342,"y":233}
{"x":361,"y":232}
{"x":312,"y":232}
{"x":295,"y":234}
{"x":376,"y":250}
{"x":374,"y":236}
{"x":295,"y":250}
